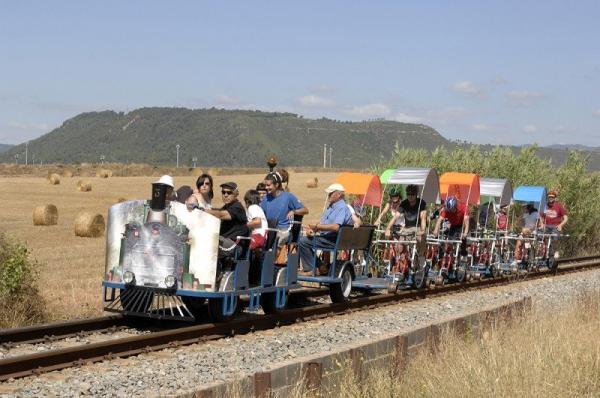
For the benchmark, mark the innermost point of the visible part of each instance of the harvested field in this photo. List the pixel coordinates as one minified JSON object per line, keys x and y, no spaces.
{"x":70,"y":279}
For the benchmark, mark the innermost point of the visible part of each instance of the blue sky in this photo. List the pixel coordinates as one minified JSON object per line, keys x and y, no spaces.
{"x":505,"y":72}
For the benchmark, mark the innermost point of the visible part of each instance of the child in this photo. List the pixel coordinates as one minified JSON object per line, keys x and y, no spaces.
{"x":257,"y":222}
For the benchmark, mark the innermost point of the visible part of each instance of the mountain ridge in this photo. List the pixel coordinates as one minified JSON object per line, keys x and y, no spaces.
{"x":238,"y":138}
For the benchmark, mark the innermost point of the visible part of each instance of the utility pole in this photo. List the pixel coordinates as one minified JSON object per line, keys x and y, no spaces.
{"x":330,"y":151}
{"x":26,"y":145}
{"x":324,"y":155}
{"x":177,"y":147}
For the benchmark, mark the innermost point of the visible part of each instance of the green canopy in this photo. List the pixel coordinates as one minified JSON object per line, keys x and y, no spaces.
{"x":385,"y":176}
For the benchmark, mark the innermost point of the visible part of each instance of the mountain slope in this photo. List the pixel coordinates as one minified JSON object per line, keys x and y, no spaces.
{"x":223,"y":138}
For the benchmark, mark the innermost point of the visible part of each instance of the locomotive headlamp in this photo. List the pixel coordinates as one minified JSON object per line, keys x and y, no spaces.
{"x":128,"y":277}
{"x":170,"y":281}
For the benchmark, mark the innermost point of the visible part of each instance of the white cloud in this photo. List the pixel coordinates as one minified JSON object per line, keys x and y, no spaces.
{"x":529,"y":128}
{"x":498,"y":81}
{"x":404,"y":118}
{"x":369,"y":111}
{"x":316,"y":101}
{"x":524,"y":98}
{"x":222,"y":99}
{"x":321,"y":89}
{"x":596,"y":112}
{"x":481,"y":127}
{"x":468,"y":89}
{"x":29,"y":126}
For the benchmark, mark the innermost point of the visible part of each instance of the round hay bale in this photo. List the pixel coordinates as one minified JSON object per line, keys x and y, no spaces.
{"x":104,"y":173}
{"x":84,"y":186}
{"x":54,"y":179}
{"x":67,"y":173}
{"x":89,"y":225}
{"x":312,"y":183}
{"x":45,"y":215}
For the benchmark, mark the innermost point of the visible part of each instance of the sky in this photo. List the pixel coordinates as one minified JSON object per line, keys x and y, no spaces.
{"x":499,"y":72}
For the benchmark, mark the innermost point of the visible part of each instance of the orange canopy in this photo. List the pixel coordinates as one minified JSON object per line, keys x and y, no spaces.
{"x":366,"y":185}
{"x":464,"y":186}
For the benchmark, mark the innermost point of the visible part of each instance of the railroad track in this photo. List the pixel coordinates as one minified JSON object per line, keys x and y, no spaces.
{"x":32,"y":364}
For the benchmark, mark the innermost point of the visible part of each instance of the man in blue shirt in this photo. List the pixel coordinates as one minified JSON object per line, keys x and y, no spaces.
{"x":336,"y":215}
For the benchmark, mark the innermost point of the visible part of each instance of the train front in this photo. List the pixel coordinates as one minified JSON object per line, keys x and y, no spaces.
{"x":159,"y":256}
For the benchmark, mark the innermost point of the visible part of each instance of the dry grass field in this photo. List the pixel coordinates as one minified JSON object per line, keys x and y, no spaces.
{"x":72,"y":267}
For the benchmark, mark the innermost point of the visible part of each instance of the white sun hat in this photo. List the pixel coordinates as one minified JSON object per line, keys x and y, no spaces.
{"x":334,"y":187}
{"x":166,"y":180}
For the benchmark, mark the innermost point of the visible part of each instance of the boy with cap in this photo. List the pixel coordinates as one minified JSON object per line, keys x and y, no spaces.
{"x":336,"y":215}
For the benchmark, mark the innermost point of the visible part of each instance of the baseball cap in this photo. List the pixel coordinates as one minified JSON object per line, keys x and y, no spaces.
{"x":231,"y":185}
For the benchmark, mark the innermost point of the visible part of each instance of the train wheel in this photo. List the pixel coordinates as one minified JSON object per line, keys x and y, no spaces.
{"x":215,"y":309}
{"x":421,"y":274}
{"x":268,"y":301}
{"x":340,"y":292}
{"x":461,"y":270}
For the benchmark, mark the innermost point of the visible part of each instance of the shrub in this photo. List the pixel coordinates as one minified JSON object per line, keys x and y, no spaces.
{"x":21,"y":301}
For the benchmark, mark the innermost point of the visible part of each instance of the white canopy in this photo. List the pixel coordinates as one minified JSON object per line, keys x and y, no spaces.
{"x":499,"y":189}
{"x":426,"y":179}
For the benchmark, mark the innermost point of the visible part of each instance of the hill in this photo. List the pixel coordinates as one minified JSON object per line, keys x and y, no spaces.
{"x":238,"y":138}
{"x":5,"y":147}
{"x":219,"y":138}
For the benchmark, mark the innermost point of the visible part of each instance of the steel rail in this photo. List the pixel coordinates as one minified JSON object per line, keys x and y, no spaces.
{"x":61,"y":330}
{"x":21,"y":366}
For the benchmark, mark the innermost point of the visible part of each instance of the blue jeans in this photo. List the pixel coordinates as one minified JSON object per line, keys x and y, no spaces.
{"x":305,"y":248}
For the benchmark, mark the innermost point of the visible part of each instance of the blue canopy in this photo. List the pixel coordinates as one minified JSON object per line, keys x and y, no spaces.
{"x":536,"y":194}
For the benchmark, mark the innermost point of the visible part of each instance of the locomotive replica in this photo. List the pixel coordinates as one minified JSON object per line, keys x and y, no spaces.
{"x":162,"y":262}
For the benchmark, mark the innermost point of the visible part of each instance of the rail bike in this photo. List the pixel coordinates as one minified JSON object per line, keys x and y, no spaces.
{"x":484,"y":245}
{"x":405,"y":265}
{"x":447,"y":251}
{"x":520,"y":248}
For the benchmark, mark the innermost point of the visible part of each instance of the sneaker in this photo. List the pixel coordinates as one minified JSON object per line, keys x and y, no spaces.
{"x":323,"y":270}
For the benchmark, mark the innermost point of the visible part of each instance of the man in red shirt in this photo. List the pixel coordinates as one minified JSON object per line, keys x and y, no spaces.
{"x":555,"y":216}
{"x":456,"y":214}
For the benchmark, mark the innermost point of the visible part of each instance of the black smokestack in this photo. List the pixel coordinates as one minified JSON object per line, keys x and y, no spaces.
{"x":159,"y":196}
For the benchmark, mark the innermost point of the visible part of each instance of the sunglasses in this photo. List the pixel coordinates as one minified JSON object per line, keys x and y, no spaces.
{"x":226,"y":192}
{"x":206,"y":183}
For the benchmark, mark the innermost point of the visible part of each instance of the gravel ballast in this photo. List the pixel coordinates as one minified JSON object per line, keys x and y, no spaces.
{"x":176,"y":371}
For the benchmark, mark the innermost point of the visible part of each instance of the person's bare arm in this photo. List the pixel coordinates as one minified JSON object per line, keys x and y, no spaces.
{"x":254,"y":223}
{"x":388,"y":229}
{"x":563,"y":222}
{"x":220,"y":214}
{"x":382,"y":213}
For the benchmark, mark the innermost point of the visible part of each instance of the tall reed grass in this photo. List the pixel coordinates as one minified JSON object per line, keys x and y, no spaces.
{"x":577,"y":189}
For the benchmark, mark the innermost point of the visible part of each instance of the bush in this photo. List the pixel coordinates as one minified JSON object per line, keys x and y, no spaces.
{"x":578,"y":190}
{"x":21,"y":301}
